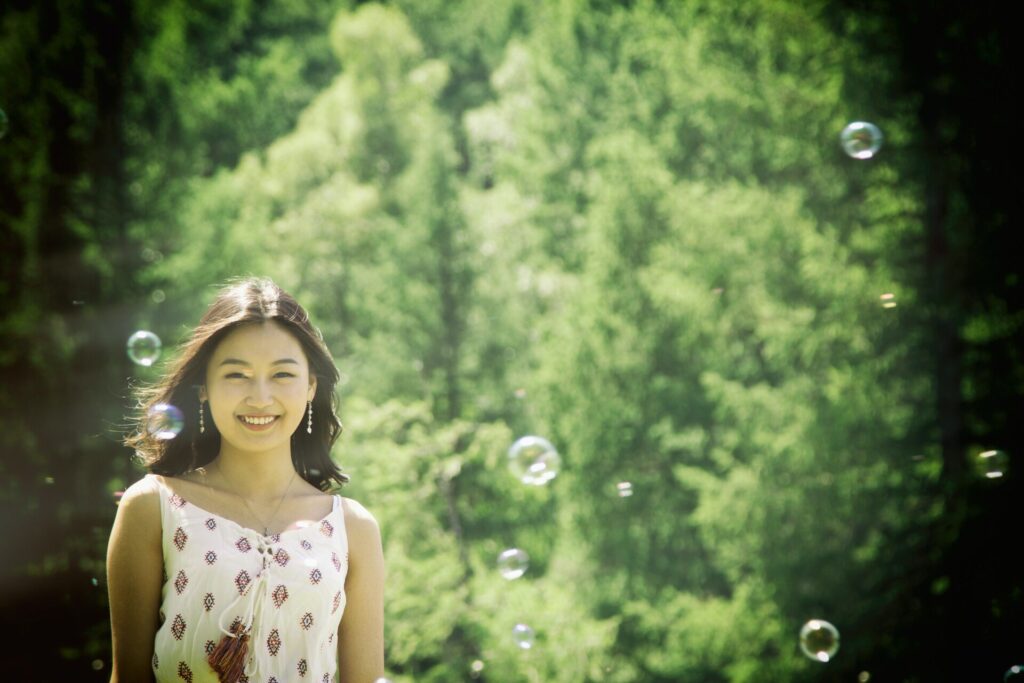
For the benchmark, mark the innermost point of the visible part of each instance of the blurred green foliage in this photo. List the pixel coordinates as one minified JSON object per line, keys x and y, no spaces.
{"x":628,"y":227}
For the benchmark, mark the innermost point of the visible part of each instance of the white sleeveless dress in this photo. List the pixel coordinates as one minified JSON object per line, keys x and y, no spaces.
{"x":288,"y":588}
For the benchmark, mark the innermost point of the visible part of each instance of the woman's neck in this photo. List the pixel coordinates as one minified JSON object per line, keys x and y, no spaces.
{"x":255,"y":476}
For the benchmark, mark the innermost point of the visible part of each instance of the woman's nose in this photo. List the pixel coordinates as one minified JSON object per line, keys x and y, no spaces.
{"x":260,"y":394}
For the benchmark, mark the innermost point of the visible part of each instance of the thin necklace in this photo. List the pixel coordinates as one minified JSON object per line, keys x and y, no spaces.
{"x":266,"y":527}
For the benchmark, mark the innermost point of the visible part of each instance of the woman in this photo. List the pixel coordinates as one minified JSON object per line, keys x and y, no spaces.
{"x":229,"y":561}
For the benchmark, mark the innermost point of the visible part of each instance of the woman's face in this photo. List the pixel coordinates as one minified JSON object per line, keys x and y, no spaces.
{"x":257,"y":383}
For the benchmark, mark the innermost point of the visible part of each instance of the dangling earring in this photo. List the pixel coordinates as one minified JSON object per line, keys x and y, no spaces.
{"x":202,"y":424}
{"x":309,"y":424}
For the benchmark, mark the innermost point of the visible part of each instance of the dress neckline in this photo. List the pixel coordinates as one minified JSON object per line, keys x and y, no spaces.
{"x":335,"y":507}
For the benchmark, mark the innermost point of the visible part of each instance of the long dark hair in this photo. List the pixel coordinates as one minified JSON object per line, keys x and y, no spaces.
{"x":241,"y":302}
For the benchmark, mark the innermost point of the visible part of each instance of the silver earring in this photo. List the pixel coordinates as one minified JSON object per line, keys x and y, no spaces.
{"x":202,"y":424}
{"x":309,"y":424}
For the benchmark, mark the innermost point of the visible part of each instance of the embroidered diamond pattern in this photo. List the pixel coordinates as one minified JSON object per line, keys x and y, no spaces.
{"x":273,"y":643}
{"x":279,"y":595}
{"x":326,"y":529}
{"x":210,"y":557}
{"x":184,"y":673}
{"x":336,"y":562}
{"x":156,"y":661}
{"x":177,"y":501}
{"x":306,"y":544}
{"x":281,"y":557}
{"x":302,"y":667}
{"x":243,"y":544}
{"x":180,"y":537}
{"x":325,"y":679}
{"x":242,"y":581}
{"x":315,"y":576}
{"x":211,"y":523}
{"x":275,"y":538}
{"x":336,"y":603}
{"x":272,"y":679}
{"x":209,"y":647}
{"x":306,"y":621}
{"x":181,"y":581}
{"x":178,"y":627}
{"x":208,"y":602}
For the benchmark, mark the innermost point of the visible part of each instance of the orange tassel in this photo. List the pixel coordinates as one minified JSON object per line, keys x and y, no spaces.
{"x":228,"y":658}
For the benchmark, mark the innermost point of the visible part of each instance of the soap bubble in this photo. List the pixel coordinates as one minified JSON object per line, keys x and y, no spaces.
{"x":993,"y":464}
{"x":534,"y":460}
{"x":861,"y":140}
{"x":1014,"y":673}
{"x":164,"y":421}
{"x":819,"y":640}
{"x":512,"y":563}
{"x":144,"y":348}
{"x":97,"y":665}
{"x":888,"y":300}
{"x":476,"y":667}
{"x":523,"y":635}
{"x":624,"y":489}
{"x":864,"y":677}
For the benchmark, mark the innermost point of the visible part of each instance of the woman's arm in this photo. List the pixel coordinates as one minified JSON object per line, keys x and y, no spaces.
{"x":361,"y":634}
{"x":134,"y":577}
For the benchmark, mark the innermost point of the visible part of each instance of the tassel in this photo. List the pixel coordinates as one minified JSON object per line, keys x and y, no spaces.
{"x":228,"y":658}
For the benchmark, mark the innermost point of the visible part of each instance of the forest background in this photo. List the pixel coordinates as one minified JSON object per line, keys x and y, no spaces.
{"x":626,"y":227}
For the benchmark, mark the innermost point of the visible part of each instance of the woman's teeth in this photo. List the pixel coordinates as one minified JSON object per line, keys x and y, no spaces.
{"x":258,"y":420}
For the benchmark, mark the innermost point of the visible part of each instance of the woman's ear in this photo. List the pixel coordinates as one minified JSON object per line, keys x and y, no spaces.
{"x":202,"y":393}
{"x":312,"y":387}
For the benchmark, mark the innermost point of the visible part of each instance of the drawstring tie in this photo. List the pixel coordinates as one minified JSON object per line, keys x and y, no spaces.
{"x":230,"y":656}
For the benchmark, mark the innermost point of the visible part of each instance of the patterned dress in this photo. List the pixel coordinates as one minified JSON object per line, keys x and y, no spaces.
{"x":221,"y":578}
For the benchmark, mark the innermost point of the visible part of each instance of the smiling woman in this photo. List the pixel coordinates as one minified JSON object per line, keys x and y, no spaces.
{"x":230,"y":561}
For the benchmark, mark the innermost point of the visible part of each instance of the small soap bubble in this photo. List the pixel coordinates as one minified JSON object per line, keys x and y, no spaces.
{"x":158,"y":296}
{"x":819,"y":640}
{"x":861,"y":140}
{"x":523,"y":635}
{"x":534,"y":460}
{"x":477,"y":666}
{"x":520,"y":393}
{"x":888,"y":300}
{"x":97,"y":665}
{"x":624,"y":489}
{"x":164,"y":421}
{"x":1015,"y":673}
{"x":47,"y":479}
{"x":94,"y":581}
{"x":512,"y":563}
{"x":863,"y":677}
{"x":144,"y":348}
{"x":993,"y":464}
{"x":3,"y":123}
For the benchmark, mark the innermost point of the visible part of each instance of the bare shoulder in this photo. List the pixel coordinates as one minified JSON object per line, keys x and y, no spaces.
{"x":357,"y":517}
{"x":360,"y":526}
{"x":142,"y":497}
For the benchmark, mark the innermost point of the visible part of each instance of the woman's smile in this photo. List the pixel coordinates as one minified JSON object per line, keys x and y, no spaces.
{"x":258,"y":423}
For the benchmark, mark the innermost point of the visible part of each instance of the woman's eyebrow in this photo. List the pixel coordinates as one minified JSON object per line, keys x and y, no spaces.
{"x":236,"y":361}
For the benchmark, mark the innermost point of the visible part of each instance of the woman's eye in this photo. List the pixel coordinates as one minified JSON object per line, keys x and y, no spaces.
{"x":234,"y":375}
{"x":284,"y":374}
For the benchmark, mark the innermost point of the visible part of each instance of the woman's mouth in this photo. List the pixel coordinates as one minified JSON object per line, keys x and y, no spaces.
{"x":258,"y":423}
